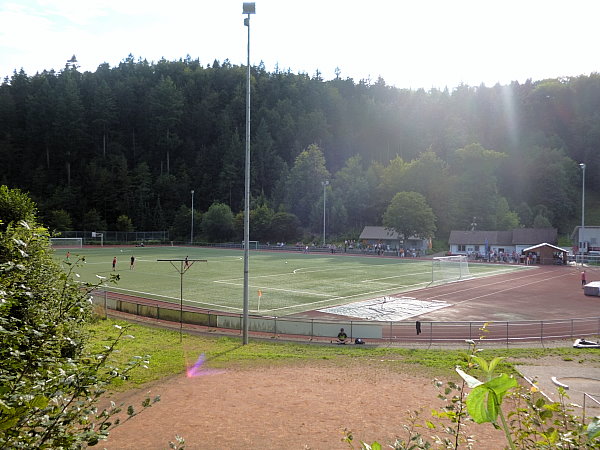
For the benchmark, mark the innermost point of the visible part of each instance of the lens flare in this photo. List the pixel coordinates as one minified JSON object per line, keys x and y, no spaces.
{"x":196,"y":370}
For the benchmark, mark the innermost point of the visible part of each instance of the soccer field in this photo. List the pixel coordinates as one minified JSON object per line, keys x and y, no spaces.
{"x":288,"y":282}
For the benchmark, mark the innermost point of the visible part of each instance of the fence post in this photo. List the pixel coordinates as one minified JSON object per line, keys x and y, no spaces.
{"x":470,"y":325}
{"x":542,"y":332}
{"x":506,"y":334}
{"x":312,"y":329}
{"x":571,"y":328}
{"x":392,"y":327}
{"x":275,"y":325}
{"x":430,"y":333}
{"x":105,"y":304}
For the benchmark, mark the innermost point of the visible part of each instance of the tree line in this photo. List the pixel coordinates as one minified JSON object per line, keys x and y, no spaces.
{"x":123,"y":147}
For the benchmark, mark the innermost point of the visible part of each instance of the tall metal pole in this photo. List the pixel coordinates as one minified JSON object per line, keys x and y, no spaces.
{"x":248,"y":8}
{"x":324,"y":183}
{"x":581,"y":235}
{"x":192,"y":229}
{"x":181,"y":272}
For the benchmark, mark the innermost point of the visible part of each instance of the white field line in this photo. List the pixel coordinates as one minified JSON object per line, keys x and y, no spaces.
{"x":332,"y":298}
{"x":341,"y":268}
{"x":169,"y":297}
{"x":268,"y":289}
{"x":528,"y":274}
{"x":507,"y":289}
{"x":395,"y":276}
{"x":347,"y":297}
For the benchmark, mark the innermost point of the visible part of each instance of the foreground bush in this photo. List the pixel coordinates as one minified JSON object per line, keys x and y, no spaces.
{"x":49,"y":383}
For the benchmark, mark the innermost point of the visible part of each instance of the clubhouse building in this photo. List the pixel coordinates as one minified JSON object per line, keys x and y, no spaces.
{"x":500,"y":242}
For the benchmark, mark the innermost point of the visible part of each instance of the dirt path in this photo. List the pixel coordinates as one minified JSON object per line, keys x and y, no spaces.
{"x":283,"y":408}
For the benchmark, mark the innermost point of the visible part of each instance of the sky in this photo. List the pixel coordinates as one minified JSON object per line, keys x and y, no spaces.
{"x":409,"y":43}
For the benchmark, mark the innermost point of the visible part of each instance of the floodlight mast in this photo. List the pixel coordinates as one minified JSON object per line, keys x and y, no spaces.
{"x":582,"y":232}
{"x":185,"y":264}
{"x":248,"y":8}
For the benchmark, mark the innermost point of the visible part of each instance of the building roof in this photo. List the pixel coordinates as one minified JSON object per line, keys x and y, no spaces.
{"x":384,"y":234}
{"x":574,"y":234}
{"x":545,"y":244}
{"x":518,"y":236}
{"x":379,"y":233}
{"x":480,"y":237}
{"x":534,"y":235}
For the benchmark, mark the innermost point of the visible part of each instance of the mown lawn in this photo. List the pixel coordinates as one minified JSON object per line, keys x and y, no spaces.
{"x":168,"y":356}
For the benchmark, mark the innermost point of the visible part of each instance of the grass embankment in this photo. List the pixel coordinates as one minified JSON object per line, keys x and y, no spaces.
{"x":169,"y":356}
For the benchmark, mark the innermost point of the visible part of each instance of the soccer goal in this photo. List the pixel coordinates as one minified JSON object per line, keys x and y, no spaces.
{"x":252,"y":245}
{"x":445,"y":269}
{"x":66,"y":242}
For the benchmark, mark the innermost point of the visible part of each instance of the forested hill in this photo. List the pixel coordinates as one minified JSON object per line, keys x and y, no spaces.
{"x":134,"y":140}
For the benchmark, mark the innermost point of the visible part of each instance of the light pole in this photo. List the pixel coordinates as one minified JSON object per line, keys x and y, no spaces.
{"x":192,"y":229}
{"x":248,"y":8}
{"x":325,"y":184}
{"x":581,"y":234}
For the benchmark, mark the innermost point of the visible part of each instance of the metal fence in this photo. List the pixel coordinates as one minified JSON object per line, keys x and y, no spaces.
{"x":399,"y":333}
{"x":93,"y":237}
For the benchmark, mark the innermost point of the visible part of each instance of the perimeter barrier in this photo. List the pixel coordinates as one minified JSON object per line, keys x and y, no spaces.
{"x":375,"y":332}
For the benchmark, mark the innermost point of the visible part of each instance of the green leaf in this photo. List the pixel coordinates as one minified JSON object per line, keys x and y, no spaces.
{"x":482,"y":404}
{"x":494,"y":362}
{"x":593,"y":429}
{"x":39,"y":401}
{"x":482,"y":363}
{"x":8,"y":423}
{"x":501,"y":384}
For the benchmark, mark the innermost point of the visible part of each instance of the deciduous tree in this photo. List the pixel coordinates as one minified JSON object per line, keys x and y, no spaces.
{"x":409,"y":215}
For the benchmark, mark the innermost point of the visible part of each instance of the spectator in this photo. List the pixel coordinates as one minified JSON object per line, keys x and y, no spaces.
{"x":342,"y":336}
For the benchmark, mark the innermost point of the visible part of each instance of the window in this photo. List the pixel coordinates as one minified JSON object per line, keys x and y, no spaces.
{"x":477,"y":248}
{"x":461,"y":247}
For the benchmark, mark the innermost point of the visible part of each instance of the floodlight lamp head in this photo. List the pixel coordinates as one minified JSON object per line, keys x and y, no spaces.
{"x":249,"y":8}
{"x":582,"y":165}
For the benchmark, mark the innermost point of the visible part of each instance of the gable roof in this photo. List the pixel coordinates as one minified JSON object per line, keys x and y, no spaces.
{"x":480,"y":237}
{"x":534,"y":235}
{"x":518,"y":236}
{"x":379,"y":233}
{"x":545,"y":244}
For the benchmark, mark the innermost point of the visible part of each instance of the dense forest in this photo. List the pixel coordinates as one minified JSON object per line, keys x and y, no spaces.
{"x":122,"y":148}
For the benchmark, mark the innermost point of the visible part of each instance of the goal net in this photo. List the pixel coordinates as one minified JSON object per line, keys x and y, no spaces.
{"x":445,"y":269}
{"x":252,"y":245}
{"x":66,"y":242}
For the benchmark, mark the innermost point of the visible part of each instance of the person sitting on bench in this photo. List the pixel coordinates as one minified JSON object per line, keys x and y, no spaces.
{"x":342,"y":336}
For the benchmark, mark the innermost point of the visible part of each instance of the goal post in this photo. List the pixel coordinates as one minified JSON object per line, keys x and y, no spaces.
{"x":252,"y":245}
{"x":57,"y":242}
{"x":445,"y":269}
